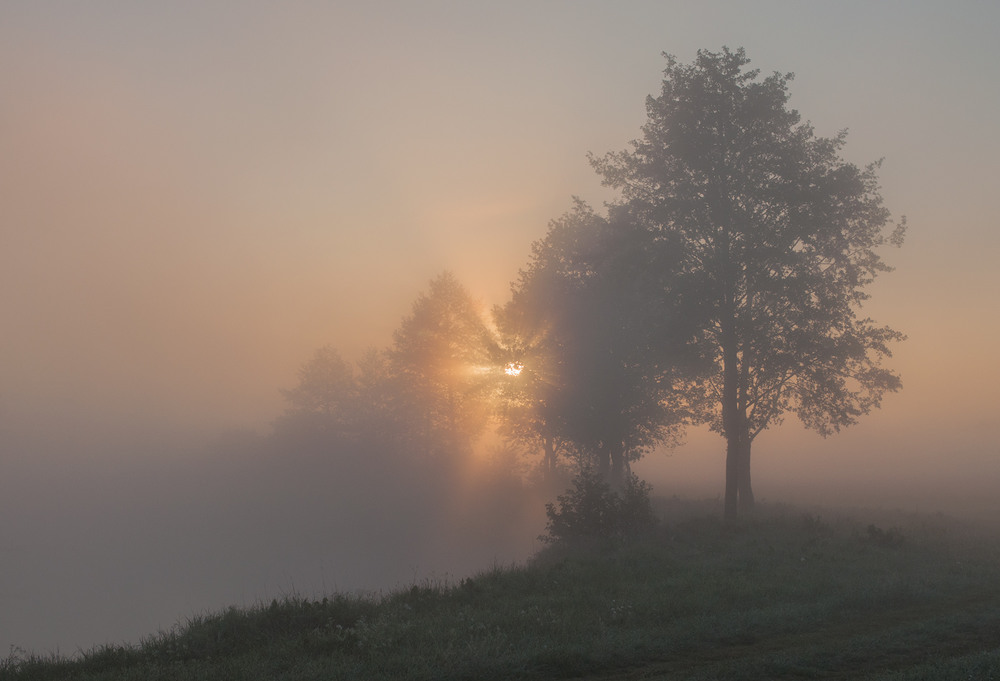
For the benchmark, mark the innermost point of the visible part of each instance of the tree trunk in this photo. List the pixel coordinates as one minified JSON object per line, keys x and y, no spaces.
{"x":745,"y":491}
{"x":732,"y":424}
{"x":617,"y":478}
{"x":603,"y":462}
{"x":732,"y":478}
{"x":549,"y":458}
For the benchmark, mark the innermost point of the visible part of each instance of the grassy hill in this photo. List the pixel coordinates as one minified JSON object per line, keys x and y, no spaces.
{"x":787,"y":594}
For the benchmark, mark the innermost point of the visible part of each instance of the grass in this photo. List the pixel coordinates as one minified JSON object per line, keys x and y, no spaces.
{"x":784,"y":595}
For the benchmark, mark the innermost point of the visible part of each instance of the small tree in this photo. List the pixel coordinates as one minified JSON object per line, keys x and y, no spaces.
{"x":325,"y":395}
{"x":591,"y":510}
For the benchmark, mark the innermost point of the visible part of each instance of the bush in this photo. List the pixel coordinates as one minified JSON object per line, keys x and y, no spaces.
{"x":591,"y":510}
{"x":889,"y":539}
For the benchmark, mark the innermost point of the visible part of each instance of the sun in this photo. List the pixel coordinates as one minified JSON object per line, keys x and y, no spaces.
{"x":513,"y":368}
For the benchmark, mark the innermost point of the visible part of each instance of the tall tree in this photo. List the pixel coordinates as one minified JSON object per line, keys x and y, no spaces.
{"x":440,"y":360}
{"x":779,"y":235}
{"x":600,"y":342}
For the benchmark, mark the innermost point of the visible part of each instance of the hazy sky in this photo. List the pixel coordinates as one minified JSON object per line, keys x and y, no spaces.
{"x":196,"y":195}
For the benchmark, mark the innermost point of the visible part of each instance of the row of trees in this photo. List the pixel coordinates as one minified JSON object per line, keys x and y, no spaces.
{"x":724,"y":286}
{"x":428,"y":395}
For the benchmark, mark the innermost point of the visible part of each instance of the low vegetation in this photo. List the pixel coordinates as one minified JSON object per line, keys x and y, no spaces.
{"x":786,"y":594}
{"x":591,"y":512}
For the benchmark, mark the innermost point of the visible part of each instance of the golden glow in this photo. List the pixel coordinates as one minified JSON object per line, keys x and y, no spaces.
{"x":513,"y":369}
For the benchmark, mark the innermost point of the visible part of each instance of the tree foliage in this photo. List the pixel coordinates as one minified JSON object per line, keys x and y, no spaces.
{"x":602,"y":344}
{"x":427,"y":394}
{"x":778,"y":234}
{"x":591,"y":510}
{"x":440,"y":360}
{"x":325,"y":395}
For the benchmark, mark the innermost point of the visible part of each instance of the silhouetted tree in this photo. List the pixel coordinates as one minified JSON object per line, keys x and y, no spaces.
{"x":325,"y":396}
{"x":603,"y":347}
{"x":592,"y":511}
{"x":778,"y":234}
{"x":345,"y":408}
{"x":374,"y":396}
{"x":441,"y":363}
{"x":528,"y":396}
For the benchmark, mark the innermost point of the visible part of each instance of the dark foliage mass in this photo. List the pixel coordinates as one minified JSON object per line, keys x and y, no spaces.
{"x":591,"y":511}
{"x":608,"y":362}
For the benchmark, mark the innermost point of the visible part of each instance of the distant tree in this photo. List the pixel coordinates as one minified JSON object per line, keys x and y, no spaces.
{"x":325,"y":395}
{"x":603,"y":348}
{"x":374,"y":395}
{"x":441,"y":363}
{"x":336,"y":404}
{"x":778,"y":235}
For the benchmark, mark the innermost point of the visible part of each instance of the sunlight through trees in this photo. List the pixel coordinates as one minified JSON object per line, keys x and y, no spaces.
{"x":723,"y":286}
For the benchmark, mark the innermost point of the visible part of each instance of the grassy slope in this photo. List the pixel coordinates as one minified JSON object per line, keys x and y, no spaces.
{"x":787,"y":595}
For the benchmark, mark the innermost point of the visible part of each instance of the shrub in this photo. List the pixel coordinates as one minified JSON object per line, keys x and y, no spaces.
{"x":889,"y":539}
{"x":591,"y":509}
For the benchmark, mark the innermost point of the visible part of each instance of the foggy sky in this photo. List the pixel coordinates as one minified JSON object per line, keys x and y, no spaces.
{"x":196,"y":196}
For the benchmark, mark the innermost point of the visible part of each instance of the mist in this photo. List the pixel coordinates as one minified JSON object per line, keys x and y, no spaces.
{"x":194,"y":200}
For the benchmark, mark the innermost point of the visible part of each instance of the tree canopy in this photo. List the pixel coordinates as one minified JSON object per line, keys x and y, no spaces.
{"x":427,"y":394}
{"x":602,"y":344}
{"x":778,"y":235}
{"x":324,"y":398}
{"x":440,"y":360}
